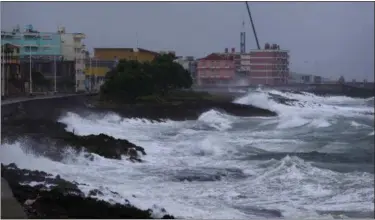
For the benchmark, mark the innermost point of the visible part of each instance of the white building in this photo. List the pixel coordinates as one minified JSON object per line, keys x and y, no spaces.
{"x":296,"y":78}
{"x":73,"y":49}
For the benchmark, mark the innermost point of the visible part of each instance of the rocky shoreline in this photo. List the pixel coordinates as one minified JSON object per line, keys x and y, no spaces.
{"x":38,"y":125}
{"x":180,"y":110}
{"x":43,"y":195}
{"x":51,"y":139}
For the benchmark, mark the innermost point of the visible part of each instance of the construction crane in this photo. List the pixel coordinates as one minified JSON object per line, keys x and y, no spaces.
{"x":252,"y":25}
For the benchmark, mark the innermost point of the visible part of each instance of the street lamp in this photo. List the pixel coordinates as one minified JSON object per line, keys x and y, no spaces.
{"x":2,"y":71}
{"x":30,"y":74}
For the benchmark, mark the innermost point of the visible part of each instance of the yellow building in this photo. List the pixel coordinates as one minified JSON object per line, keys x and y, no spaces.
{"x":139,"y":54}
{"x":105,"y":59}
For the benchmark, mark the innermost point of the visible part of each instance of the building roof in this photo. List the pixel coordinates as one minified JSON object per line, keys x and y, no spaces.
{"x":216,"y":56}
{"x":269,"y":50}
{"x":8,"y":45}
{"x":127,"y":49}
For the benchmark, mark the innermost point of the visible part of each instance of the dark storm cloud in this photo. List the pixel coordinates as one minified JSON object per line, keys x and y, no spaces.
{"x":330,"y":39}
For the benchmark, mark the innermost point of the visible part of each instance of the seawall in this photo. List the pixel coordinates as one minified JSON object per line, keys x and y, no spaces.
{"x":34,"y":108}
{"x":40,"y":107}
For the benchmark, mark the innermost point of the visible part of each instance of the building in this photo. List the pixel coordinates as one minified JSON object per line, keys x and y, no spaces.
{"x":33,"y":42}
{"x":73,"y":49}
{"x":105,"y":59}
{"x":243,"y":72}
{"x":269,"y":66}
{"x":111,"y":54}
{"x":299,"y":78}
{"x":216,"y":69}
{"x":96,"y":71}
{"x":11,"y":83}
{"x":295,"y":78}
{"x":241,"y":64}
{"x":41,"y":52}
{"x":190,"y":64}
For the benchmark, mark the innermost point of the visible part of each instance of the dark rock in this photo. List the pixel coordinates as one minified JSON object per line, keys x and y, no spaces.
{"x":182,"y":110}
{"x":55,"y":138}
{"x":95,"y":192}
{"x":64,"y":199}
{"x":103,"y":145}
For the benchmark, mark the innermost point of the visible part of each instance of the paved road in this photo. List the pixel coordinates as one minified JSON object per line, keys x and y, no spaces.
{"x":22,"y":99}
{"x":10,"y":208}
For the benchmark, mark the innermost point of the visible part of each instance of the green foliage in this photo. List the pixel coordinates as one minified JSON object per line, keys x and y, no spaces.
{"x":131,"y":80}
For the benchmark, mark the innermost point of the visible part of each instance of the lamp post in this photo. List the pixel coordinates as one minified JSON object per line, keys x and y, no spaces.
{"x":30,"y":73}
{"x":2,"y":71}
{"x":54,"y":77}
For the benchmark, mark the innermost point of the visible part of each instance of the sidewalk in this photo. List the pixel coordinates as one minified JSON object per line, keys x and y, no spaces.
{"x":22,"y":99}
{"x":10,"y":207}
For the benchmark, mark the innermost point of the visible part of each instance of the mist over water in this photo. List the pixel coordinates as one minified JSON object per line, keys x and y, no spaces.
{"x":315,"y":159}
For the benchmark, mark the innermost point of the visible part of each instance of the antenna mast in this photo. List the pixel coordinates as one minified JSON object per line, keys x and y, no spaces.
{"x":243,"y":39}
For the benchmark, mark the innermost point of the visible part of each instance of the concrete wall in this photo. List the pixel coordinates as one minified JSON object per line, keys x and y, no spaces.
{"x":72,"y":49}
{"x":67,"y":46}
{"x":43,"y":108}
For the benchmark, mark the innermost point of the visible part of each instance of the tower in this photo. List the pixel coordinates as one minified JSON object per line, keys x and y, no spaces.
{"x":243,"y":39}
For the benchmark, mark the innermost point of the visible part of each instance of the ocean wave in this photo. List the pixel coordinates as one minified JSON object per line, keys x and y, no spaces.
{"x":216,"y":119}
{"x":309,"y":161}
{"x":306,"y":104}
{"x":196,"y":194}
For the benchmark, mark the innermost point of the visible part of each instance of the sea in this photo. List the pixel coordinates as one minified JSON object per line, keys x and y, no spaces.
{"x":314,"y":160}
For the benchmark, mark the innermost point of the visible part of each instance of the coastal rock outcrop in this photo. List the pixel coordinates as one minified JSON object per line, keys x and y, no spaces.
{"x":53,"y":197}
{"x":51,"y":137}
{"x":181,"y":110}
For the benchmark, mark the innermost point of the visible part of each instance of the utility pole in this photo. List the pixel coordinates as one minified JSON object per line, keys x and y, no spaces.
{"x":2,"y":71}
{"x":75,"y":69}
{"x":91,"y":72}
{"x":136,"y":36}
{"x":30,"y":74}
{"x":55,"y":75}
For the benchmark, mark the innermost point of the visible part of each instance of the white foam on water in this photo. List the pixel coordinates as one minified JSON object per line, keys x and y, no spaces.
{"x":216,"y":120}
{"x":308,"y":109}
{"x":274,"y":185}
{"x":307,"y":105}
{"x":320,"y":123}
{"x":174,"y":149}
{"x":178,"y":149}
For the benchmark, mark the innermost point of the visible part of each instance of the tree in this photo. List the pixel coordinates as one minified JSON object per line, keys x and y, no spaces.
{"x":132,"y":79}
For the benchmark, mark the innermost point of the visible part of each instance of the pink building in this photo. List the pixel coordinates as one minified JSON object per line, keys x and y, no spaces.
{"x":269,"y":66}
{"x":216,"y":69}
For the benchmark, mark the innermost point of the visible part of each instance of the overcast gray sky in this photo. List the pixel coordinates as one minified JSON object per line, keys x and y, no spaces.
{"x":330,"y":39}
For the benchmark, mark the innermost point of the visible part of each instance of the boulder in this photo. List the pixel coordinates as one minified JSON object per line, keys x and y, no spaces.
{"x":62,"y":199}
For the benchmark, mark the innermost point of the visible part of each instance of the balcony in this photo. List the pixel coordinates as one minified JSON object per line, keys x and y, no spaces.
{"x":27,"y":46}
{"x":31,"y":34}
{"x":78,"y":45}
{"x":79,"y":35}
{"x":7,"y":34}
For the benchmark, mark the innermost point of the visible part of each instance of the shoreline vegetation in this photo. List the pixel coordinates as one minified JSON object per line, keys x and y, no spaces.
{"x":161,"y":89}
{"x":156,"y":90}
